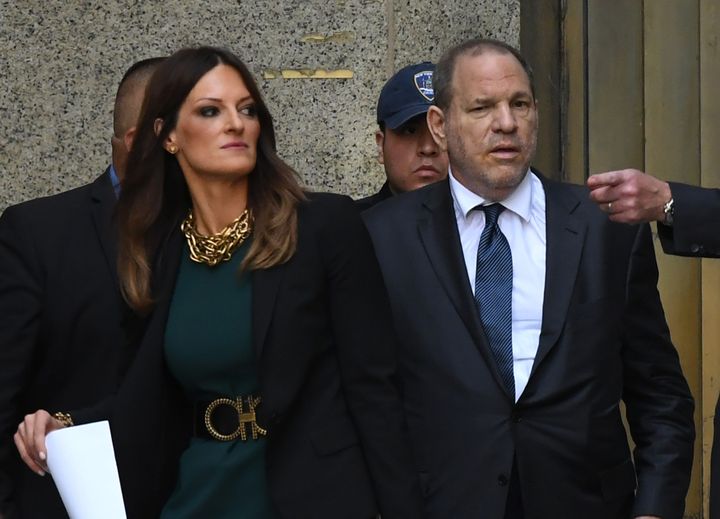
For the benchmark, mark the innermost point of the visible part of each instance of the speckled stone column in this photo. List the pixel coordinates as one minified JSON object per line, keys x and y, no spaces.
{"x":320,"y":64}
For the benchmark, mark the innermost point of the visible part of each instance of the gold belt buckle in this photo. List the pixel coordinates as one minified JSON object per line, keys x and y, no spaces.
{"x":244,"y":418}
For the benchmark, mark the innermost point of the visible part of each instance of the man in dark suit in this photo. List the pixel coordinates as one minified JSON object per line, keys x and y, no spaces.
{"x":525,"y":318}
{"x":406,"y":149}
{"x":688,"y":220}
{"x":61,"y":341}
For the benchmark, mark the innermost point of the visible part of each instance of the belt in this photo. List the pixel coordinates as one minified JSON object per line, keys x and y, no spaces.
{"x":226,"y":419}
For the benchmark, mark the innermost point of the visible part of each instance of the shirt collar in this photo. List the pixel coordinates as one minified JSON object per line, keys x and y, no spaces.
{"x":115,"y":180}
{"x":519,"y":201}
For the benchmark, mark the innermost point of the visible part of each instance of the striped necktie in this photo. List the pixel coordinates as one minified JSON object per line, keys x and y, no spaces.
{"x":493,"y":292}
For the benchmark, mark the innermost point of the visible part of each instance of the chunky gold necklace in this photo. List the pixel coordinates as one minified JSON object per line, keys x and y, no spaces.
{"x":219,"y":247}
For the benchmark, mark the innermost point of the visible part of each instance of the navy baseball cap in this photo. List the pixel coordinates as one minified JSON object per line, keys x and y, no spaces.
{"x":407,"y":94}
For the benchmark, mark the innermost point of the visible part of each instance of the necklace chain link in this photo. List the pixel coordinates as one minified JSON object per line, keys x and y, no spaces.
{"x":219,"y":247}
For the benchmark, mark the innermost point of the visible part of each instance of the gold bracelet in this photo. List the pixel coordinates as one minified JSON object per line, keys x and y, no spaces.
{"x":63,"y":418}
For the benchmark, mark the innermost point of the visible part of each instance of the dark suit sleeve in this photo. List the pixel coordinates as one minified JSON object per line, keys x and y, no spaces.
{"x":658,"y":400}
{"x":362,"y":326}
{"x":21,"y":281}
{"x":696,"y":227}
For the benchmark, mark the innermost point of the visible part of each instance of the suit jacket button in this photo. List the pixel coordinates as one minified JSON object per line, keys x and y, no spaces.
{"x":502,"y":480}
{"x":515,"y":417}
{"x":695,"y":248}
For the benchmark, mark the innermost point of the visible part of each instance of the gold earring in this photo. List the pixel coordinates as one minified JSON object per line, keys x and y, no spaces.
{"x":172,"y":149}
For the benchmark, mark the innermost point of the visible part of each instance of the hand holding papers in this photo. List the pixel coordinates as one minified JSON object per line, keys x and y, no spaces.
{"x":82,"y":463}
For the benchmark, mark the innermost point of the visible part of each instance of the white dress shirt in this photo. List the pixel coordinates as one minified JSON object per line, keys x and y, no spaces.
{"x":523,"y":224}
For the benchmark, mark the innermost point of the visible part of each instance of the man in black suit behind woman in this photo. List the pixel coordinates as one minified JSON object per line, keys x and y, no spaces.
{"x":61,"y":343}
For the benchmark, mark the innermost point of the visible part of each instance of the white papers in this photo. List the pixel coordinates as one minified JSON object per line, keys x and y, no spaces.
{"x":82,"y":463}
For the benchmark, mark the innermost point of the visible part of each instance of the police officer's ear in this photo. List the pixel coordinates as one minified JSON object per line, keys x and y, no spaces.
{"x":436,"y":125}
{"x":380,"y":143}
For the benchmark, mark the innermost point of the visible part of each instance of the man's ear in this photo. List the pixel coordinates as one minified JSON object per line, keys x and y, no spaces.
{"x":129,"y":137}
{"x":380,"y":143}
{"x":436,"y":125}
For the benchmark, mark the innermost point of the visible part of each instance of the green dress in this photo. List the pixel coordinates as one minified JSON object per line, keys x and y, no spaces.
{"x":209,"y":351}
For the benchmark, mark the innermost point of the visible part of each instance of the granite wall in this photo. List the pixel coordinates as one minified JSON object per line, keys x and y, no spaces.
{"x":61,"y":61}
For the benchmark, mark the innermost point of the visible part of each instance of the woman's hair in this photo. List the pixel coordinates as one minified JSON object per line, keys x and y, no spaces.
{"x":154,"y":193}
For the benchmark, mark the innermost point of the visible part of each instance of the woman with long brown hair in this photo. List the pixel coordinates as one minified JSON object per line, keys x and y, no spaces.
{"x":263,"y":386}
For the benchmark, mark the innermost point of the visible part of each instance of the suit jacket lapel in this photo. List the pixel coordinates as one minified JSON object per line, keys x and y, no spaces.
{"x":103,"y":207}
{"x":565,"y":238}
{"x":440,"y":238}
{"x":265,"y":287}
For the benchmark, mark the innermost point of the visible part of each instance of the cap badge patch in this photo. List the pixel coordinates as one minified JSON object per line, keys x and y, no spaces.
{"x":423,"y":82}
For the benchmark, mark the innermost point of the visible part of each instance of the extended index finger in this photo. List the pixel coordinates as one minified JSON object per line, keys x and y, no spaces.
{"x":607,"y":179}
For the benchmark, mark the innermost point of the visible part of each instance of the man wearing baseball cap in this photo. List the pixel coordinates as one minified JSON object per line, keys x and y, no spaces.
{"x":405,"y":146}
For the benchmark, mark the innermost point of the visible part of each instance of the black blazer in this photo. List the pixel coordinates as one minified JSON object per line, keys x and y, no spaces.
{"x":696,"y":233}
{"x":603,"y":339}
{"x":323,"y":337}
{"x":61,"y":341}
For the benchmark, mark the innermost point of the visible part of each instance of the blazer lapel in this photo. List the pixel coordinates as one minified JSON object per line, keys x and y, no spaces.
{"x":439,"y":235}
{"x":265,"y":287}
{"x":103,"y":207}
{"x":565,"y":238}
